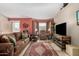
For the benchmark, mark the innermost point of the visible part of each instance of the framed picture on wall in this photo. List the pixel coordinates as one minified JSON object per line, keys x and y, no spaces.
{"x":77,"y":17}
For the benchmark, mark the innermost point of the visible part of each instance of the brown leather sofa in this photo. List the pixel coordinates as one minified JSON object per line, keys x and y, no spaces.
{"x":8,"y":48}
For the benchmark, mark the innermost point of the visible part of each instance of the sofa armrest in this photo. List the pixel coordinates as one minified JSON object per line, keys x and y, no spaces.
{"x":6,"y":49}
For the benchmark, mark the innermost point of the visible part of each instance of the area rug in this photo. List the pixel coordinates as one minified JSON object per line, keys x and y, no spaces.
{"x":40,"y":49}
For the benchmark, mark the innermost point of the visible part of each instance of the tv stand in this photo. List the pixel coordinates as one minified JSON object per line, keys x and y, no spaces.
{"x":61,"y":41}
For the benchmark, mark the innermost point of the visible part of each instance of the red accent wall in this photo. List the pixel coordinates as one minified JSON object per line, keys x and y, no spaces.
{"x":26,"y":21}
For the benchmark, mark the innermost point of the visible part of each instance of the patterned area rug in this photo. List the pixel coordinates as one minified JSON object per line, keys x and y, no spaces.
{"x":40,"y":49}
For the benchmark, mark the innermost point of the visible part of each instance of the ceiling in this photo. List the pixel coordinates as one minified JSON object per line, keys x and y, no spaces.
{"x":33,"y":10}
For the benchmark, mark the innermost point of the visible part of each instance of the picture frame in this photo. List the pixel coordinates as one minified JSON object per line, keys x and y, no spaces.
{"x":77,"y":17}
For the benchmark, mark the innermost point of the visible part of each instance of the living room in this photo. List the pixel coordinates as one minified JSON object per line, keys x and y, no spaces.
{"x":34,"y":27}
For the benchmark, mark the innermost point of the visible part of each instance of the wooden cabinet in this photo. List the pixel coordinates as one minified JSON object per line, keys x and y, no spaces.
{"x":61,"y":41}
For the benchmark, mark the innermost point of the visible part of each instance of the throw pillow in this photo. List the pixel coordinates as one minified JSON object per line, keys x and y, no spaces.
{"x":24,"y":35}
{"x":4,"y":39}
{"x":13,"y":40}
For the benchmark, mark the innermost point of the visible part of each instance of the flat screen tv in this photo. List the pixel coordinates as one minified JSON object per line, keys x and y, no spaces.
{"x":61,"y":29}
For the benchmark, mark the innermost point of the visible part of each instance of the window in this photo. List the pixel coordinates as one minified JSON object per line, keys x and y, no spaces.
{"x":42,"y":26}
{"x":16,"y":26}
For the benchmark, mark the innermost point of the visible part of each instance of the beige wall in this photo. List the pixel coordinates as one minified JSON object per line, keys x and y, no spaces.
{"x":68,"y":14}
{"x":5,"y":25}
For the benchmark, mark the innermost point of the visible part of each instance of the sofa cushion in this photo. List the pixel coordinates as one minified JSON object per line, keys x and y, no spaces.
{"x":4,"y":39}
{"x":12,"y":39}
{"x":17,"y":36}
